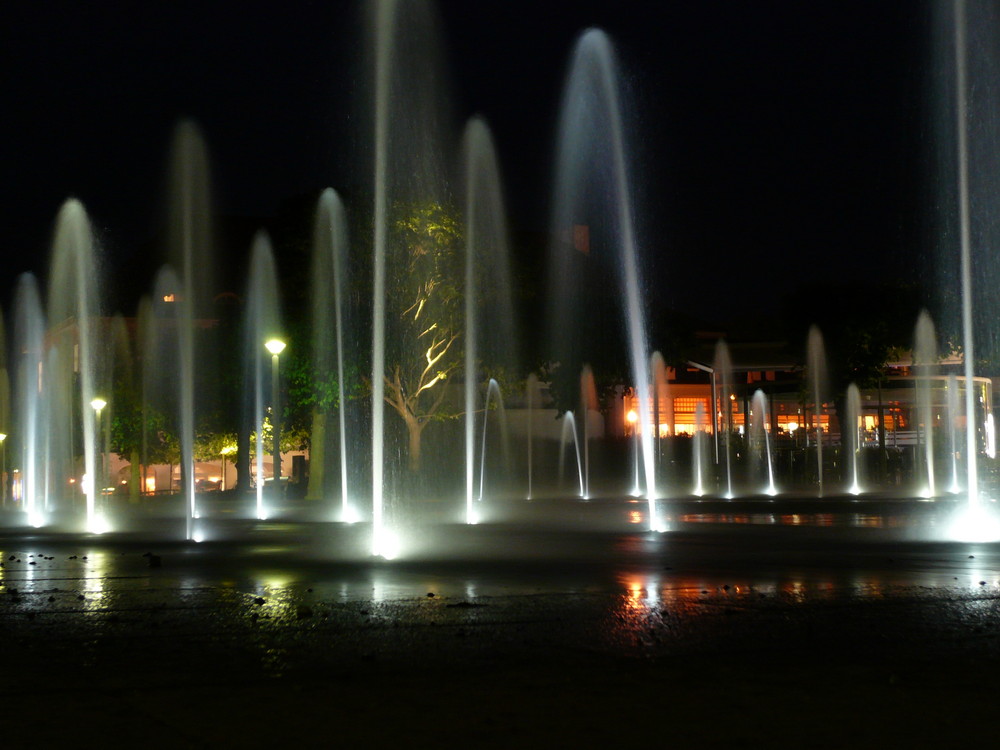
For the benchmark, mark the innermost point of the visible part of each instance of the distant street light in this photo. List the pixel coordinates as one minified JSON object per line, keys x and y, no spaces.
{"x":276,"y":347}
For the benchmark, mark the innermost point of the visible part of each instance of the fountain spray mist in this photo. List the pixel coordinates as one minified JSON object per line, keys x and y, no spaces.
{"x":385,"y":31}
{"x":965,"y":234}
{"x":329,"y":279}
{"x":73,"y":292}
{"x":29,"y":332}
{"x":851,"y":424}
{"x":722,"y":367}
{"x":191,"y":257}
{"x":263,"y":324}
{"x":816,"y":359}
{"x":924,"y":356}
{"x":591,"y":148}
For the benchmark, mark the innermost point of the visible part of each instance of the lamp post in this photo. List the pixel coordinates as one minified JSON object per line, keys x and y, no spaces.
{"x":276,"y":347}
{"x":715,"y":404}
{"x":98,"y":405}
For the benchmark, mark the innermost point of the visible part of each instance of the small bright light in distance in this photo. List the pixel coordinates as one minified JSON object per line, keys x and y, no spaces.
{"x":198,"y":537}
{"x":350,"y":515}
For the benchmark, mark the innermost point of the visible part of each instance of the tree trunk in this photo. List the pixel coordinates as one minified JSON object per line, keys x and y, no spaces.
{"x":243,"y":478}
{"x":414,"y":428}
{"x":135,"y":477}
{"x":317,"y":456}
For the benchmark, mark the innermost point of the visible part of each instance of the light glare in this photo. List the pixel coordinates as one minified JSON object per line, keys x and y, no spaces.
{"x":975,"y":524}
{"x":99,"y":524}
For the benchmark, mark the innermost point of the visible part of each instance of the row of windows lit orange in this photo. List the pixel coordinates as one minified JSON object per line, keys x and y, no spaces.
{"x":680,"y":416}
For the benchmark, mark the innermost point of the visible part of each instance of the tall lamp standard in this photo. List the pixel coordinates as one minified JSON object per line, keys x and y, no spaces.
{"x":99,"y":483}
{"x":276,"y":347}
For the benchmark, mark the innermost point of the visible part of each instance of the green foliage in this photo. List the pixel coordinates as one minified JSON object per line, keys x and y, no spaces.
{"x":208,"y":446}
{"x":425,"y":300}
{"x":425,"y":315}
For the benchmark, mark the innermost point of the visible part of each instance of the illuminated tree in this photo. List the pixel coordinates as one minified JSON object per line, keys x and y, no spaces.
{"x":424,"y":317}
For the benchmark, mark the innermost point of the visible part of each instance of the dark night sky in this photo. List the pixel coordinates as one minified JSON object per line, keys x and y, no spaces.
{"x":775,"y":142}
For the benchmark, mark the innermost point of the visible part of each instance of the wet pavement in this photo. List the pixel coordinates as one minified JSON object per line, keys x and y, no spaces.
{"x":568,"y":628}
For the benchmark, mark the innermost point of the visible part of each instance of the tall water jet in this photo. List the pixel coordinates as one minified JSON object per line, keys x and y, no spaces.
{"x":700,"y":454}
{"x":163,"y":399}
{"x":489,"y":315}
{"x":661,"y":403}
{"x":263,"y":326}
{"x":385,"y":32}
{"x":722,"y":418}
{"x":924,"y":357}
{"x":494,"y":397}
{"x":531,"y":398}
{"x":568,"y":436}
{"x":588,"y":405}
{"x":32,"y":417}
{"x":591,"y":172}
{"x":330,"y":254}
{"x":955,"y":487}
{"x":851,"y":425}
{"x":72,"y":297}
{"x":407,"y":117}
{"x":191,"y":257}
{"x":816,"y":369}
{"x":965,"y":234}
{"x":760,"y":439}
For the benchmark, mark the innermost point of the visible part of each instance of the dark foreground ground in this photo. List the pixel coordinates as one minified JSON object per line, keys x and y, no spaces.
{"x":726,"y":631}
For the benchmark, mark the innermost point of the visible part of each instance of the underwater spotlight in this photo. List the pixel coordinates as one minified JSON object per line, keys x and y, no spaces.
{"x":99,"y":524}
{"x":386,"y":545}
{"x":975,"y":524}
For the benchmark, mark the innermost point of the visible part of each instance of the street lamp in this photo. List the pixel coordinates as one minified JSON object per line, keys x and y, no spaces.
{"x":276,"y":347}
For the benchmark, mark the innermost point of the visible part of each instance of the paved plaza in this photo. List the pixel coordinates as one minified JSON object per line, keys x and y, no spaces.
{"x":558,"y":625}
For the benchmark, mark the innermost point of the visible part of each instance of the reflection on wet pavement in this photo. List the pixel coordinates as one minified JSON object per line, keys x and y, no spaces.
{"x":618,"y":620}
{"x":849,"y":520}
